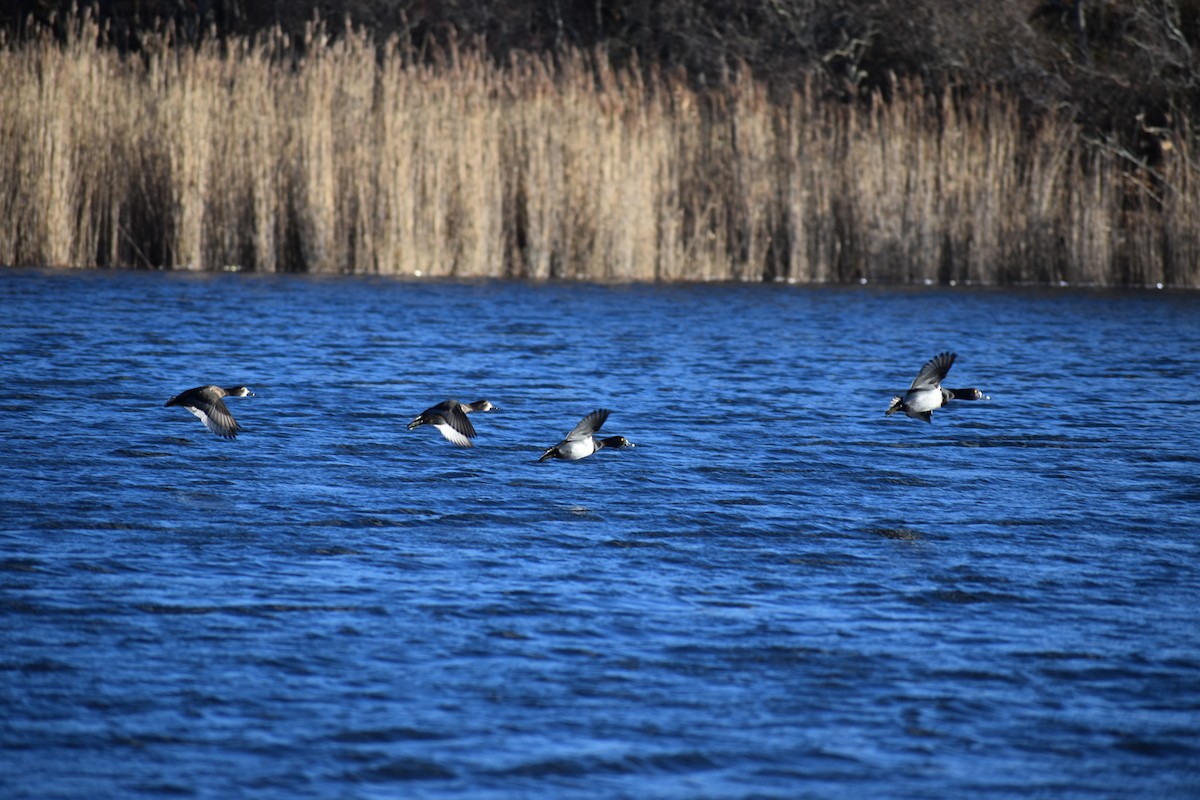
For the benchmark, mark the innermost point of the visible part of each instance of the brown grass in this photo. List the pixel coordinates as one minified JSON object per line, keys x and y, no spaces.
{"x":356,"y":157}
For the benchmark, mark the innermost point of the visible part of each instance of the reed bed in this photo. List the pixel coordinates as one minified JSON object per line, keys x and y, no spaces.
{"x":347,"y":155}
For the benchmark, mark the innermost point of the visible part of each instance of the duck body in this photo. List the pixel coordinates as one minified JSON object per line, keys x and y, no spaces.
{"x":580,"y":442}
{"x":450,"y":419}
{"x":207,"y":403}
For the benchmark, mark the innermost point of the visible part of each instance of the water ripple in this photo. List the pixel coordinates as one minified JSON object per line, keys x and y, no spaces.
{"x":778,"y":592}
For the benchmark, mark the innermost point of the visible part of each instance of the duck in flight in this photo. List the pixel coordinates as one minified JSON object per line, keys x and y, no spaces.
{"x":927,"y":393}
{"x":206,"y":403}
{"x":580,"y":443}
{"x":450,"y":418}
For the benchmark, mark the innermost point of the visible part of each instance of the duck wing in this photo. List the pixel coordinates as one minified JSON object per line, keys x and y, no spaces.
{"x":458,"y":421}
{"x":588,"y":425}
{"x":216,"y":418}
{"x":934,"y":371}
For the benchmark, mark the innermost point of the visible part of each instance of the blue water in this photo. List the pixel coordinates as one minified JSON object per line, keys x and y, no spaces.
{"x":778,"y":592}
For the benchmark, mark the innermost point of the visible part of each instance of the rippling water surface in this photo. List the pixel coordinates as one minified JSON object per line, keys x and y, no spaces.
{"x":778,"y":592}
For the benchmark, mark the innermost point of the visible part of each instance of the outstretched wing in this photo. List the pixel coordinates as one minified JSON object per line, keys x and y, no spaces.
{"x":216,"y":417}
{"x":589,"y":424}
{"x":457,"y":420}
{"x":934,"y":371}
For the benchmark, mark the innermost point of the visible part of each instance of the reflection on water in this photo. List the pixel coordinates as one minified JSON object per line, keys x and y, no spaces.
{"x":778,"y":592}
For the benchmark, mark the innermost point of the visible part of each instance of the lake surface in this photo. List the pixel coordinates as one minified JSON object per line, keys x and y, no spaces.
{"x":778,"y":593}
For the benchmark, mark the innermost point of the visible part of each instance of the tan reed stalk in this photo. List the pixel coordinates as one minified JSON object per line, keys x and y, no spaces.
{"x":703,"y":229}
{"x":1032,"y":207}
{"x":1090,"y":190}
{"x":396,"y":181}
{"x":227,"y":209}
{"x":355,"y":150}
{"x":74,"y":209}
{"x":536,"y":169}
{"x":585,"y":116}
{"x":675,"y":115}
{"x":892,"y":178}
{"x":754,"y":214}
{"x":245,"y":215}
{"x":1180,"y":180}
{"x":622,"y":160}
{"x":426,"y":211}
{"x":475,"y":159}
{"x":879,"y":176}
{"x":354,"y":159}
{"x":812,"y":147}
{"x":54,"y":180}
{"x":967,"y":183}
{"x":310,"y":109}
{"x":18,"y":104}
{"x":189,"y":125}
{"x":109,"y":124}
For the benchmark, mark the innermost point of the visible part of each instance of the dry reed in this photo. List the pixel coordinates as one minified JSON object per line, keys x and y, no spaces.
{"x":356,"y":157}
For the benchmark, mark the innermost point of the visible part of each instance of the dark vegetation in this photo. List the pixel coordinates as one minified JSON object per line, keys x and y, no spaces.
{"x":1125,"y":69}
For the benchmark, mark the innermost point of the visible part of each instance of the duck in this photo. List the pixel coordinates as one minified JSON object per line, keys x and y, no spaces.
{"x":927,"y":393}
{"x":580,"y":443}
{"x":450,"y":419}
{"x":206,"y":403}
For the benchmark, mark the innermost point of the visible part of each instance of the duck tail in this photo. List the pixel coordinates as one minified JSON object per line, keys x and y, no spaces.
{"x":548,"y":454}
{"x":416,"y":423}
{"x":897,"y":402}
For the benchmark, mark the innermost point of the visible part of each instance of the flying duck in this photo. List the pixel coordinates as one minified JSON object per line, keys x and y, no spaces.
{"x":450,"y":418}
{"x":927,"y":393}
{"x":206,"y":403}
{"x":580,"y":443}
